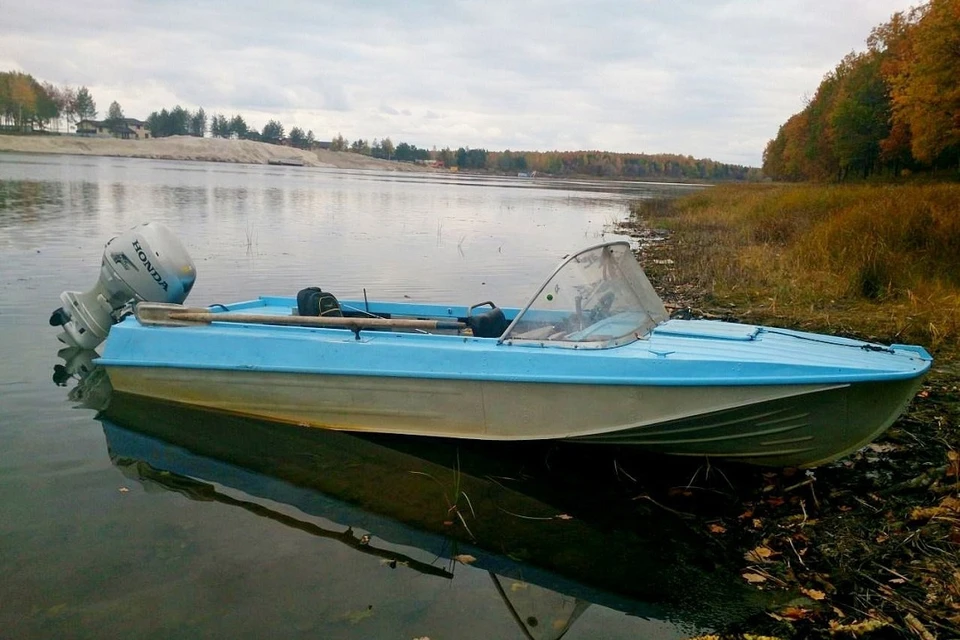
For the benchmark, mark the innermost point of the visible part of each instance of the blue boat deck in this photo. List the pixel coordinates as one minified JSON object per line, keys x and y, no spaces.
{"x":675,"y":353}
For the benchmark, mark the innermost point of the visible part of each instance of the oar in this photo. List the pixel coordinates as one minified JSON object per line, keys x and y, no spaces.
{"x":159,"y":313}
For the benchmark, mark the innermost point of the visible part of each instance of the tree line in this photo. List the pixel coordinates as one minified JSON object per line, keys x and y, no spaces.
{"x":27,"y":105}
{"x":894,"y":108}
{"x":602,"y":164}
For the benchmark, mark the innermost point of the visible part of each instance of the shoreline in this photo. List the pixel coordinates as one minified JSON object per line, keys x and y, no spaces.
{"x":837,"y":539}
{"x":202,"y":150}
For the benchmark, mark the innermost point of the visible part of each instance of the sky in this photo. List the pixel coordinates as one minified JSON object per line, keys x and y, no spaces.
{"x":708,"y":79}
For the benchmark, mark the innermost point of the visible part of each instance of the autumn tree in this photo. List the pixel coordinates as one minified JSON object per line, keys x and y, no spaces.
{"x":387,"y":148}
{"x":924,"y":84}
{"x":338,"y":143}
{"x":23,"y":99}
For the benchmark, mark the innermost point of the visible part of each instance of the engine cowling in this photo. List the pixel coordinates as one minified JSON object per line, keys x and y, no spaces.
{"x":147,"y":263}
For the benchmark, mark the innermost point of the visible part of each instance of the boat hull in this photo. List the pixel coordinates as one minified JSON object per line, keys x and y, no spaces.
{"x":779,"y":425}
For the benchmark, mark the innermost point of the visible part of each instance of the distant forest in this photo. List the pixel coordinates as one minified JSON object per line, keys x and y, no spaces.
{"x":28,"y":106}
{"x":893,"y":109}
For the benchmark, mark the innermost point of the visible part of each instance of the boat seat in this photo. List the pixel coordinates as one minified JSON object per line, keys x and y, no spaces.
{"x":489,"y":324}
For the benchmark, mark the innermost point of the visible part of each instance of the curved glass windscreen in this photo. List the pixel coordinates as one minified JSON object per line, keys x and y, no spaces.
{"x":599,"y":297}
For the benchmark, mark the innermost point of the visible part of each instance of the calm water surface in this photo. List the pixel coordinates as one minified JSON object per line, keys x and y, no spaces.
{"x":155,"y":521}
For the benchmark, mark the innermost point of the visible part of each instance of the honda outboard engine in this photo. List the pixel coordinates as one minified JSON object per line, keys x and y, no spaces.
{"x":148,"y":263}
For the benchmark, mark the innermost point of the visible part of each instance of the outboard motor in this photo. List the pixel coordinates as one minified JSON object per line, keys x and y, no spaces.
{"x":148,"y":263}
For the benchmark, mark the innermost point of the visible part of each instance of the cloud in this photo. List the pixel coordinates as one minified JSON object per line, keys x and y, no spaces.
{"x":703,"y":78}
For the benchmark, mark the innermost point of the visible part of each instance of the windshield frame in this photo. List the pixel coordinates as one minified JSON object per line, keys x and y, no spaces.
{"x":646,"y":299}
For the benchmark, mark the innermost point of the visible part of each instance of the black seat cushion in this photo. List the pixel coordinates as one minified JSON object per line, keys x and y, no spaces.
{"x":489,"y":324}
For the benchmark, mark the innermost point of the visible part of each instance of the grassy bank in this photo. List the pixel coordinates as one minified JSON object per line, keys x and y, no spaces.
{"x":872,"y":541}
{"x":877,"y":260}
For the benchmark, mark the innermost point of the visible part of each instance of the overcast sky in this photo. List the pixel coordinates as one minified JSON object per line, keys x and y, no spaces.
{"x":698,"y":77}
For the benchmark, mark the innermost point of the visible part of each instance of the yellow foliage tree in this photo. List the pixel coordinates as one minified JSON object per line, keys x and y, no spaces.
{"x":925,"y":81}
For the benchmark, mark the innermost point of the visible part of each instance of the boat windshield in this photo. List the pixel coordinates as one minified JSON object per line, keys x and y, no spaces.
{"x":597,"y":298}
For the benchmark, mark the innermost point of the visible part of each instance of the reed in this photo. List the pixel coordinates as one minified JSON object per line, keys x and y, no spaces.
{"x":875,"y":260}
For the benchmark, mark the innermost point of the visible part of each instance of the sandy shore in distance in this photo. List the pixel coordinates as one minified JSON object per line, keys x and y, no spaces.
{"x":203,"y":149}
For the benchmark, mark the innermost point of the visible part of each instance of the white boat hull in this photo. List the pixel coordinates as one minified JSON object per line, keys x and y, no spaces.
{"x":782,"y":425}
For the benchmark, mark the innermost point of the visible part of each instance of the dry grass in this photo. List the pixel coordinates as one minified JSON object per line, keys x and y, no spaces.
{"x":880,"y":261}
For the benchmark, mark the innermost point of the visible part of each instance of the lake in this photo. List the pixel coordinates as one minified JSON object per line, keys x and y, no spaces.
{"x":167,"y":523}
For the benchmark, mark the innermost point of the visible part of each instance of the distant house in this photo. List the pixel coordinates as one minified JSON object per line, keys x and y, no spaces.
{"x":125,"y":128}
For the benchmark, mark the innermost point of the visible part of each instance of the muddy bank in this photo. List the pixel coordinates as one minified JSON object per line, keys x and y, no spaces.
{"x":199,"y":149}
{"x":870,"y":544}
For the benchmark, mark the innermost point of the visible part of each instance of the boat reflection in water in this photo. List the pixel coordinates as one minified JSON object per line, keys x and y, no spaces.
{"x":436,"y":507}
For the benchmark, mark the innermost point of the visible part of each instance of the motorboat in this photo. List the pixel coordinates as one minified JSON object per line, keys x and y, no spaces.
{"x":593,"y":356}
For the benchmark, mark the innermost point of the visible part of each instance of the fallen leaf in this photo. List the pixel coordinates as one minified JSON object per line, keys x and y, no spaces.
{"x":757,"y":523}
{"x":760,"y":554}
{"x":563,"y":516}
{"x":951,"y":503}
{"x":465,"y":558}
{"x":124,"y":490}
{"x":717,"y":528}
{"x":953,"y":468}
{"x":926,"y":513}
{"x":857,"y":628}
{"x":882,"y":447}
{"x":753,"y":578}
{"x":813,"y":594}
{"x":795,"y":613}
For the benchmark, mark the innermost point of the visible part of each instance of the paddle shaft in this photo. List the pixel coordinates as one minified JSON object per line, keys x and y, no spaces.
{"x":317,"y":321}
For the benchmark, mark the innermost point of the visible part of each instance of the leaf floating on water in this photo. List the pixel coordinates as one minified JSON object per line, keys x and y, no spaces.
{"x":393,"y":563}
{"x":465,"y":558}
{"x":124,"y":490}
{"x":354,"y":617}
{"x":753,"y":578}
